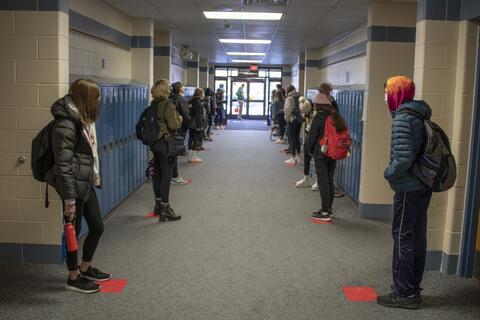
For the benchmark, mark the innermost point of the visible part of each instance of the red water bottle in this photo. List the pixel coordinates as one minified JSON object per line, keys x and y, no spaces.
{"x":71,"y":237}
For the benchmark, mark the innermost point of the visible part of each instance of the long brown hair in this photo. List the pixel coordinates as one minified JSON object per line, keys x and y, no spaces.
{"x":338,"y":120}
{"x":86,"y":95}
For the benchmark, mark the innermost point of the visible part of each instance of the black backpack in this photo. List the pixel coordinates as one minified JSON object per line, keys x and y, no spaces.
{"x":42,"y":158}
{"x":296,"y":113}
{"x":436,"y":166}
{"x":147,"y":128}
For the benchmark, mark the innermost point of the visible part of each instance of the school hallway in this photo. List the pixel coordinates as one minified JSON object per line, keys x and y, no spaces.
{"x":244,"y":249}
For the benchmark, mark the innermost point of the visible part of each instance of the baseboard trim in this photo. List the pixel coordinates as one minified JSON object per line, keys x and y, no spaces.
{"x":30,"y":253}
{"x":441,"y":261}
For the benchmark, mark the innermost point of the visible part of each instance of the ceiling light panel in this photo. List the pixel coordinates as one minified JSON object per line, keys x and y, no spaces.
{"x":246,"y":53}
{"x":247,"y":61}
{"x":248,"y":41}
{"x":242,"y":15}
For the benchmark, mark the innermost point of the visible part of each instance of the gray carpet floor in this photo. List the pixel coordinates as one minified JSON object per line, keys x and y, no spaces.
{"x":245,"y":249}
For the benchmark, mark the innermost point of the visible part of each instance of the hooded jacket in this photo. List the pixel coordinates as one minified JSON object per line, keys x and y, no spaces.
{"x":72,"y":174}
{"x":408,"y":140}
{"x":290,"y":104}
{"x":182,"y":109}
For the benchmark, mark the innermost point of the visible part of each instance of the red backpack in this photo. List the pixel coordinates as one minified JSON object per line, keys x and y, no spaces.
{"x":335,"y":145}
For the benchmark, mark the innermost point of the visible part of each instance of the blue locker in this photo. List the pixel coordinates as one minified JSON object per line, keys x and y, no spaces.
{"x":121,"y":172}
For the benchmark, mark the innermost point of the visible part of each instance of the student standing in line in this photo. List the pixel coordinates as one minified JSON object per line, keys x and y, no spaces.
{"x":324,"y":165}
{"x":196,"y":126}
{"x":169,"y":121}
{"x":308,"y":113}
{"x":75,"y":173}
{"x":412,"y":197}
{"x":279,"y":97}
{"x":182,"y":108}
{"x":210,"y":107}
{"x":294,"y":121}
{"x":240,"y":99}
{"x":220,"y":100}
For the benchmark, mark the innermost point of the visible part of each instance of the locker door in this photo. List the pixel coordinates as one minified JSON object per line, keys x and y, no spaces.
{"x":121,"y":173}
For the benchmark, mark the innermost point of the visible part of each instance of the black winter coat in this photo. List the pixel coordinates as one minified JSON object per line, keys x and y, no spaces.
{"x":72,"y":173}
{"x":196,"y":114}
{"x":317,"y":131}
{"x":182,"y":109}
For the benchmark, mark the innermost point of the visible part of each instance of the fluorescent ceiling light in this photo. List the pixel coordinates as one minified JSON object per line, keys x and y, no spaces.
{"x":242,"y":15}
{"x":248,"y":41}
{"x":245,"y":53}
{"x":247,"y":61}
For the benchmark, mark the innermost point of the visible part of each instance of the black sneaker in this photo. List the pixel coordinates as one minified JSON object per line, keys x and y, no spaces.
{"x":394,"y":300}
{"x":82,"y":285}
{"x":322,"y":216}
{"x":95,"y":274}
{"x":418,"y":294}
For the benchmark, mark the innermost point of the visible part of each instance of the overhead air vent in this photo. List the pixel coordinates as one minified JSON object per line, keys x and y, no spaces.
{"x":265,"y":3}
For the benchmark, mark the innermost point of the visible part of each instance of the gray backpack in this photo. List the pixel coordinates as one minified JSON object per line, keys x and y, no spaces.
{"x":436,"y":166}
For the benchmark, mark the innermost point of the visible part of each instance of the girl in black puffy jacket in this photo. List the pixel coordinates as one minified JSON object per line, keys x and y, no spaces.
{"x":75,"y":173}
{"x":196,"y":126}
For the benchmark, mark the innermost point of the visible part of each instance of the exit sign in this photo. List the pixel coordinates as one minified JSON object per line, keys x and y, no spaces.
{"x":254,"y":67}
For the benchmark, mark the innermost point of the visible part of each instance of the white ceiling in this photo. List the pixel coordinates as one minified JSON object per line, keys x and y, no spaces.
{"x":305,"y":24}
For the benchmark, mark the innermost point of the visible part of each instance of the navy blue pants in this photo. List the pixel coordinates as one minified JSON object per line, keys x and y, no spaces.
{"x":409,"y":232}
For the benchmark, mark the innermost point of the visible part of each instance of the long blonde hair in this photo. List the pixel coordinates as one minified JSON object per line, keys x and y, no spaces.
{"x":86,"y":95}
{"x":161,"y":89}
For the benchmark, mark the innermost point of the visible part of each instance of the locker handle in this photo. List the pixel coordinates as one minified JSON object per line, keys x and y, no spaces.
{"x":104,"y":148}
{"x":111,"y":146}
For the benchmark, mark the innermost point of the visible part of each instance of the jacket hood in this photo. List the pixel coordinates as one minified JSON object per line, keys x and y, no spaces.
{"x":65,"y":108}
{"x":294,"y":93}
{"x":419,"y":106}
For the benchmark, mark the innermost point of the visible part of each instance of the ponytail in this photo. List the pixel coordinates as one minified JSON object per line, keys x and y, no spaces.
{"x":338,"y":121}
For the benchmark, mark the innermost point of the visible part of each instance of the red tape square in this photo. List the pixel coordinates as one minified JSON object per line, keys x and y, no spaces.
{"x":152,"y":215}
{"x":113,"y":285}
{"x":321,"y":222}
{"x":360,"y":294}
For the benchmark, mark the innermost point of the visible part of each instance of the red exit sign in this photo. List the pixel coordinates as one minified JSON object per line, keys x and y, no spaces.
{"x":254,"y":67}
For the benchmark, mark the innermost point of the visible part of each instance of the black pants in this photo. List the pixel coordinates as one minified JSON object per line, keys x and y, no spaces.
{"x":281,"y":125}
{"x":208,"y":132}
{"x":307,"y":159}
{"x":294,"y":137}
{"x":219,"y":116}
{"x":195,"y":139}
{"x":175,"y":160}
{"x":163,"y":173}
{"x":90,"y":210}
{"x":325,"y":169}
{"x":409,"y":232}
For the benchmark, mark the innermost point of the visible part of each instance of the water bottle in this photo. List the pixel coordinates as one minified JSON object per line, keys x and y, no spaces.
{"x":71,"y":237}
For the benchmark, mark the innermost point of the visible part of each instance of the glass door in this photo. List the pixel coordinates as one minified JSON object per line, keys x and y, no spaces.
{"x":234,"y":107}
{"x":256,"y":99}
{"x":272,"y":85}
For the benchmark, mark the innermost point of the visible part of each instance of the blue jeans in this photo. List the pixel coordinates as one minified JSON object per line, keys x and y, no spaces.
{"x":409,"y":232}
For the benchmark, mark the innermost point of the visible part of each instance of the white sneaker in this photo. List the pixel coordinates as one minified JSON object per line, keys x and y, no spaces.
{"x":304,"y":183}
{"x":179,"y":181}
{"x":194,"y":158}
{"x":315,"y":187}
{"x":291,"y":161}
{"x":280,"y":141}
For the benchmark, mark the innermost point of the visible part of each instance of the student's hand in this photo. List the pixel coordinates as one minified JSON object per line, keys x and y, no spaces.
{"x":70,"y":211}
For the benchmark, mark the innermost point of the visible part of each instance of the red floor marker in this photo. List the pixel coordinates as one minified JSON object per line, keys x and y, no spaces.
{"x":291,"y":165}
{"x":360,"y":294}
{"x":152,"y":215}
{"x":321,"y":222}
{"x":189,"y":181}
{"x":113,"y":285}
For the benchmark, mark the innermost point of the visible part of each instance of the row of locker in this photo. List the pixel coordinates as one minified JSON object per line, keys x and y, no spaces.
{"x":123,"y":158}
{"x":350,"y":104}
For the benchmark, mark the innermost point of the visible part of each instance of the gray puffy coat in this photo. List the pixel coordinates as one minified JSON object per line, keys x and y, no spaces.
{"x":408,"y":141}
{"x":72,"y":173}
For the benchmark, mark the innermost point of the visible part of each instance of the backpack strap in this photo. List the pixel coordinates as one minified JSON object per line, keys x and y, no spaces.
{"x":415,"y":113}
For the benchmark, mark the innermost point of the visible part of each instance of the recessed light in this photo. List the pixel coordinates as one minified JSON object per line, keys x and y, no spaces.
{"x":247,"y":41}
{"x":242,"y":15}
{"x":245,"y":53}
{"x":247,"y":61}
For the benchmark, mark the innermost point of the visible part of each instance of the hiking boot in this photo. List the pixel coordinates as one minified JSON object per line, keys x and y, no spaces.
{"x":168,"y":214}
{"x":82,"y":285}
{"x":393,"y":300}
{"x":95,"y":275}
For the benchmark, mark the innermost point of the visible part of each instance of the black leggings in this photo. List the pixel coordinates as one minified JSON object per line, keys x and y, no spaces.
{"x":325,"y":169}
{"x":90,"y":210}
{"x":307,"y":159}
{"x":195,"y":139}
{"x":281,"y":124}
{"x":163,"y":174}
{"x":294,"y":137}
